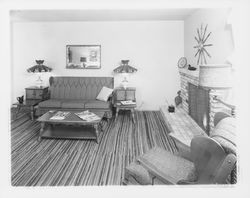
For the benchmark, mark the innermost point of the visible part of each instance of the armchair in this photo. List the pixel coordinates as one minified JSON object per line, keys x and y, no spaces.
{"x":210,"y":165}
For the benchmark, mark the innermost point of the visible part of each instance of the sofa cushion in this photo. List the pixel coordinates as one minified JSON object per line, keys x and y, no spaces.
{"x":73,"y":104}
{"x":104,"y":94}
{"x":96,"y":104}
{"x":163,"y":162}
{"x":51,"y":103}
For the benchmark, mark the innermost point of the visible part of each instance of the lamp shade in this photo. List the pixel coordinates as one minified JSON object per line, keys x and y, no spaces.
{"x":215,"y":76}
{"x":125,"y":68}
{"x":39,"y":67}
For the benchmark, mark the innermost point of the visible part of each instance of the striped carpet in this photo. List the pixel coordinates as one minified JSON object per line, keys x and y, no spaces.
{"x":81,"y":162}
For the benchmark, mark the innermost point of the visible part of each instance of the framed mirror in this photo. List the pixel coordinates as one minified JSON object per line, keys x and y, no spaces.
{"x":83,"y":56}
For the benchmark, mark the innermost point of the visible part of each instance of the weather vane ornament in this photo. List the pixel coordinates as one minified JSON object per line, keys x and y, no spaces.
{"x":201,"y":45}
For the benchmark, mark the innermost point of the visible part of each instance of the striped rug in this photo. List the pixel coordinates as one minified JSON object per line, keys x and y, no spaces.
{"x":54,"y":162}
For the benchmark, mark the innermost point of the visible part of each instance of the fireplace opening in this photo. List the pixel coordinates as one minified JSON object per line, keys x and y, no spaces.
{"x":198,"y":104}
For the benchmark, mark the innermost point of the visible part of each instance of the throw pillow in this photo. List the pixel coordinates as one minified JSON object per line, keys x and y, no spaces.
{"x":104,"y":94}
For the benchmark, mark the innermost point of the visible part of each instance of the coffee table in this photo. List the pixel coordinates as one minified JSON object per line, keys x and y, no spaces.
{"x":72,"y":127}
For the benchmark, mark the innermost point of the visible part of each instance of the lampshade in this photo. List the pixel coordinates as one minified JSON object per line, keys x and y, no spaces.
{"x":39,"y":67}
{"x":215,"y":76}
{"x":125,"y":68}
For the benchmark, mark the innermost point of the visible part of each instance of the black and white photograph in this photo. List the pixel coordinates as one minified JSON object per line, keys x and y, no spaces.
{"x":144,"y":98}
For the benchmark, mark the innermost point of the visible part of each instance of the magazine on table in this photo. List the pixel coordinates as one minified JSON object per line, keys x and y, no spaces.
{"x":60,"y":115}
{"x":128,"y":102}
{"x":88,"y":116}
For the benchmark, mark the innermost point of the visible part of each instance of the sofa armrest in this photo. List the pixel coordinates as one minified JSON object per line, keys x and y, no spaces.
{"x":48,"y":95}
{"x":110,"y":98}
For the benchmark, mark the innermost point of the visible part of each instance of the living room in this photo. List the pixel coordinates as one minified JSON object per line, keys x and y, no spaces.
{"x":154,"y":41}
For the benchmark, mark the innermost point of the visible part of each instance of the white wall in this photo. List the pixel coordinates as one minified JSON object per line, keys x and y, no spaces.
{"x":221,"y":36}
{"x":153,"y":47}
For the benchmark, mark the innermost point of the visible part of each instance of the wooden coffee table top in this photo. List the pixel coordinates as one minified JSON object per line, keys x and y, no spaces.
{"x":70,"y":119}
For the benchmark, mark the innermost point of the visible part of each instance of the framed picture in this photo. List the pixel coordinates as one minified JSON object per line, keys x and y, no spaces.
{"x":83,"y":56}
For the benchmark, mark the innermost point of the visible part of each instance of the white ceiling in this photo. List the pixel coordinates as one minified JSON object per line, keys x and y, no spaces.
{"x":99,"y":15}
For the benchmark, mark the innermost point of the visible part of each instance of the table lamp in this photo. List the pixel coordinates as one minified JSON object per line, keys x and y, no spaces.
{"x":39,"y":69}
{"x":125,"y":69}
{"x":83,"y":60}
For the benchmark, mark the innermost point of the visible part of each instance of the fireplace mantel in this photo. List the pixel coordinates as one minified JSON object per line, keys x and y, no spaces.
{"x":189,"y":73}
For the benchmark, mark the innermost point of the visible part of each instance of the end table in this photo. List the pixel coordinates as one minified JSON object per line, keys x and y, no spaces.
{"x":34,"y":95}
{"x":119,"y":106}
{"x":121,"y":94}
{"x":30,"y":104}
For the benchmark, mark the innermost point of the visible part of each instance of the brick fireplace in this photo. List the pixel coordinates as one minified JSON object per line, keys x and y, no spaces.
{"x":191,"y":79}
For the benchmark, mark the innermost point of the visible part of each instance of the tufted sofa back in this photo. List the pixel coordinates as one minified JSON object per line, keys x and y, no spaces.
{"x":86,"y":88}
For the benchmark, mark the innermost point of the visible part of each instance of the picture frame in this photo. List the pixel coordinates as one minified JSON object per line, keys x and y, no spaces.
{"x":83,"y":56}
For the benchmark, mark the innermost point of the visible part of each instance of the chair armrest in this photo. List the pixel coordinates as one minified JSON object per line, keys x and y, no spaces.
{"x":225,"y":169}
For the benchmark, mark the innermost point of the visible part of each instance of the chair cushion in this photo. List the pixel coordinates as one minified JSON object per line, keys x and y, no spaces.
{"x":167,"y":166}
{"x":96,"y":104}
{"x":51,"y":103}
{"x":104,"y":94}
{"x":73,"y":104}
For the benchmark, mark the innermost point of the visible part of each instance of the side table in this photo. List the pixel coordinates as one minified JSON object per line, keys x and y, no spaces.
{"x":122,"y":94}
{"x":30,"y":104}
{"x":130,"y":108}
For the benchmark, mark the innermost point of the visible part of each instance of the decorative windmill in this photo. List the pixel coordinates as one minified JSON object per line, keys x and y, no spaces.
{"x":201,"y":46}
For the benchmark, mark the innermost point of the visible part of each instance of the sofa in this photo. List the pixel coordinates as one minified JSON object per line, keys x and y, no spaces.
{"x":71,"y":93}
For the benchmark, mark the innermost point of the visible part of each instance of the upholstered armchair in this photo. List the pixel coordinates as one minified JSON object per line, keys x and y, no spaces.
{"x":210,"y":165}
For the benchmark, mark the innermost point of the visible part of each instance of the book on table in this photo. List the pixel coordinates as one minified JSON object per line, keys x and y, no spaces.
{"x":88,"y":116}
{"x":127,"y":102}
{"x":60,"y":115}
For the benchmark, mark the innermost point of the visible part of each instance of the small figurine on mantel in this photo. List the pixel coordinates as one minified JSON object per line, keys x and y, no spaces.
{"x":178,"y":99}
{"x":191,"y":68}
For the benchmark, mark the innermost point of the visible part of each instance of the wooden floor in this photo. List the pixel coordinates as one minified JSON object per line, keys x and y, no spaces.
{"x":82,"y":162}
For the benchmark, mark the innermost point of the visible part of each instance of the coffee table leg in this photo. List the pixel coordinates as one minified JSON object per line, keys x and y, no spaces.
{"x":41,"y":131}
{"x":116,"y":115}
{"x":100,"y":127}
{"x":32,"y":112}
{"x":96,"y":132}
{"x":133,"y":115}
